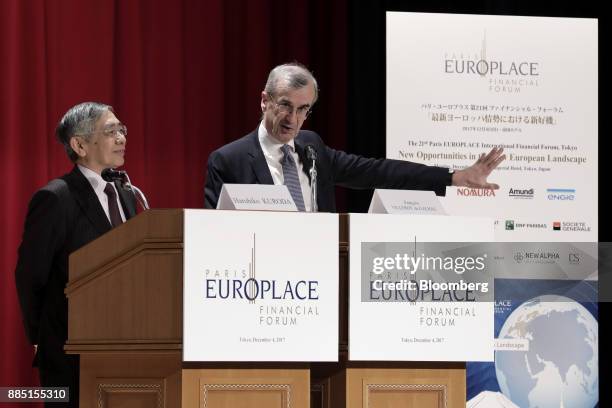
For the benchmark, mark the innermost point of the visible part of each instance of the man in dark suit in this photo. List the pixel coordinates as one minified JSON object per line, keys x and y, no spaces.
{"x":274,"y":154}
{"x":63,"y":216}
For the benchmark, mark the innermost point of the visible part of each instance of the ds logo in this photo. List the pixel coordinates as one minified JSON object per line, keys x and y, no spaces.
{"x":574,"y":258}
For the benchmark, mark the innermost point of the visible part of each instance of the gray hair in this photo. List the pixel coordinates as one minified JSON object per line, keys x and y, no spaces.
{"x":80,"y":120}
{"x":295,"y":75}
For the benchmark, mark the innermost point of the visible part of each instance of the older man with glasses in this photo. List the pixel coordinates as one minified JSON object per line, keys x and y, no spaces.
{"x":63,"y":216}
{"x":274,"y":153}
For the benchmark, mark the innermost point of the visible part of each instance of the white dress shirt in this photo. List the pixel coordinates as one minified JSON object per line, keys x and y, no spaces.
{"x":272,"y":152}
{"x":99,"y":184}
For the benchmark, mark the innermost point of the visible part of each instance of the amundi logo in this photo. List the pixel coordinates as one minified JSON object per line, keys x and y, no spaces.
{"x":525,"y":193}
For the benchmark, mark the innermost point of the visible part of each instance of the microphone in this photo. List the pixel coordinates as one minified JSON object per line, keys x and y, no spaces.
{"x":311,"y":155}
{"x":311,"y":152}
{"x":112,"y":175}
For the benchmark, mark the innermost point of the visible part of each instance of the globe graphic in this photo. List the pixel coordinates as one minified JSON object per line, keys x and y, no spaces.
{"x":561,"y":367}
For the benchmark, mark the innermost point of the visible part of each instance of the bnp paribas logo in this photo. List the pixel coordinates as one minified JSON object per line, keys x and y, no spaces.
{"x":504,"y":74}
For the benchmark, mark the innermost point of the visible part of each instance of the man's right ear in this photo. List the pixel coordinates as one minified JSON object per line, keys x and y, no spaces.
{"x":76,"y":143}
{"x":264,"y":98}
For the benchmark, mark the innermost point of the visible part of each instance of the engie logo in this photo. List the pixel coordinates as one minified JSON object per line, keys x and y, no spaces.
{"x":561,"y":194}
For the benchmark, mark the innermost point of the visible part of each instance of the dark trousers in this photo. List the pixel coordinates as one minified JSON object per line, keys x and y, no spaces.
{"x":65,"y":374}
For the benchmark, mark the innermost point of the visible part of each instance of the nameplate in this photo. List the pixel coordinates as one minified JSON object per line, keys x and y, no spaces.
{"x":405,"y":202}
{"x":255,"y":197}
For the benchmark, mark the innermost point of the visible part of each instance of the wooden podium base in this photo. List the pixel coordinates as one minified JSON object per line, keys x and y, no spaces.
{"x":135,"y":380}
{"x":246,"y":388}
{"x":399,"y":387}
{"x":157,"y":379}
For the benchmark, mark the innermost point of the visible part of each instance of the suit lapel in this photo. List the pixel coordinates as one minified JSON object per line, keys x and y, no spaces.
{"x":258,"y":161}
{"x":86,"y":198}
{"x":299,"y":149}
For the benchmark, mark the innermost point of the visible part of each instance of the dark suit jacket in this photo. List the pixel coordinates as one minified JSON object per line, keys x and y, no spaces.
{"x":62,"y":217}
{"x":243,"y":162}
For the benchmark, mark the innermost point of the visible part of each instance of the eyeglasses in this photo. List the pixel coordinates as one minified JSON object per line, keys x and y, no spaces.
{"x":287,"y":108}
{"x":111,"y":131}
{"x":115,"y":131}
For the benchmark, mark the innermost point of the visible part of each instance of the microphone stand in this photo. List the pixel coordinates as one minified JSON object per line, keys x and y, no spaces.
{"x":137,"y":192}
{"x":311,"y":153}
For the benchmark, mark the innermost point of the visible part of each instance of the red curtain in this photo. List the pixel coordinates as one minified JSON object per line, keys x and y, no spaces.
{"x":185,"y":76}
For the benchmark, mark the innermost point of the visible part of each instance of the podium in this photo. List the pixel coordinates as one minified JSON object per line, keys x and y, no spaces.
{"x":125,"y":311}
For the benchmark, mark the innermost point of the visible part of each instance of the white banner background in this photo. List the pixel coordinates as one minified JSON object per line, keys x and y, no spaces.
{"x":545,"y":122}
{"x":431,"y":108}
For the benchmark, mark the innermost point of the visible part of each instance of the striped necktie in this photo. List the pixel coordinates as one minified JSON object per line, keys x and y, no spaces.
{"x":292,"y":181}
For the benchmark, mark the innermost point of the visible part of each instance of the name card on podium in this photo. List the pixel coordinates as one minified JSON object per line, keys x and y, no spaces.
{"x":255,"y":197}
{"x":405,"y":202}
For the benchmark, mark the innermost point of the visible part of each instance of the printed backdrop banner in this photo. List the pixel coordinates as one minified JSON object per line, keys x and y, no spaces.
{"x":559,"y":365}
{"x":457,"y":85}
{"x":260,"y":286}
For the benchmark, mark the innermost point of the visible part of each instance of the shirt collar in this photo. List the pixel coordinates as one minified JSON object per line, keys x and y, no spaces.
{"x":96,"y":180}
{"x":270,"y":145}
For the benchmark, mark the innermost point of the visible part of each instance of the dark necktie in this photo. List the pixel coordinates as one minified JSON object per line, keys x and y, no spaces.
{"x":292,"y":181}
{"x":113,"y":208}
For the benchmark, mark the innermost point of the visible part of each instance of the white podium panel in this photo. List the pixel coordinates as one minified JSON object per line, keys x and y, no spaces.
{"x":427,"y":324}
{"x":260,"y":286}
